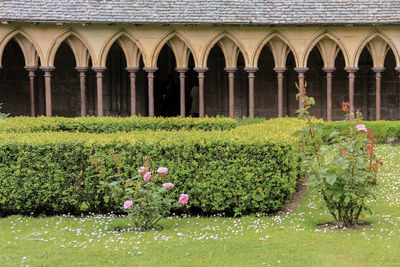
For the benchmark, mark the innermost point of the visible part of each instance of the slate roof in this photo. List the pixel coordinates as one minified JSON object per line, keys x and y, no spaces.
{"x":204,"y":11}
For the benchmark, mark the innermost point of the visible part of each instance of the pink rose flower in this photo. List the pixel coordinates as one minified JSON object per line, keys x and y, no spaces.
{"x":143,"y":170}
{"x":162,"y":170}
{"x":128,"y":204}
{"x":361,"y":128}
{"x":183,"y":199}
{"x":168,"y":185}
{"x":147,"y":176}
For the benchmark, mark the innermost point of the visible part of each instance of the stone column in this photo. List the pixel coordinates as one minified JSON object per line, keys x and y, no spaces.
{"x":364,"y":70}
{"x":47,"y":80}
{"x":182,"y":96}
{"x":201,"y":72}
{"x":150,"y":77}
{"x":280,"y":72}
{"x":251,"y":71}
{"x":328,"y":72}
{"x":231,"y":79}
{"x":31,"y":74}
{"x":378,"y":75}
{"x":99,"y":77}
{"x":352,"y":76}
{"x":301,"y":71}
{"x":82,"y":78}
{"x":132,"y":76}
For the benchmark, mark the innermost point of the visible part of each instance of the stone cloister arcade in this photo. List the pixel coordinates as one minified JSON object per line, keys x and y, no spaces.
{"x":182,"y":70}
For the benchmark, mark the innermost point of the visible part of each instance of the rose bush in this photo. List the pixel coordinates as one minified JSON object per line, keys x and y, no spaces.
{"x":345,"y":172}
{"x":145,"y":197}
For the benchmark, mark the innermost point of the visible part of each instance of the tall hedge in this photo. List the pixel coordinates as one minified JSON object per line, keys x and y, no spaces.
{"x":113,"y":124}
{"x":250,"y":169}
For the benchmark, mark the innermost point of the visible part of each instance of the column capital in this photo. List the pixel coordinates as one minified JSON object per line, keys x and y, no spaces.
{"x":30,"y":68}
{"x":47,"y":68}
{"x":182,"y":69}
{"x":132,"y":69}
{"x":82,"y":69}
{"x":301,"y":69}
{"x":201,"y":69}
{"x":351,"y":69}
{"x":329,"y":69}
{"x":231,"y":69}
{"x":99,"y":69}
{"x":150,"y":69}
{"x":251,"y":69}
{"x":378,"y":69}
{"x":280,"y":69}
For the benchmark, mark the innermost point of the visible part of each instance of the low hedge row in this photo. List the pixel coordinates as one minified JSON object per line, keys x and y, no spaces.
{"x":249,"y":169}
{"x":381,"y":129}
{"x":113,"y":124}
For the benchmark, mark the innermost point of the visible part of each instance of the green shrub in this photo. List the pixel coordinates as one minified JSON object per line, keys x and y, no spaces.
{"x":382,"y":129}
{"x":113,"y":124}
{"x":248,"y":121}
{"x":249,"y":169}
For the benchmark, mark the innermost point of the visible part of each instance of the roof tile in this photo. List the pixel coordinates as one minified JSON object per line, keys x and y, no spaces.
{"x":204,"y":11}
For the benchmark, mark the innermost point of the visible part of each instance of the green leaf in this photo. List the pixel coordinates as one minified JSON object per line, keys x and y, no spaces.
{"x":114,"y":183}
{"x":331,"y":179}
{"x":336,"y":197}
{"x":333,"y":134}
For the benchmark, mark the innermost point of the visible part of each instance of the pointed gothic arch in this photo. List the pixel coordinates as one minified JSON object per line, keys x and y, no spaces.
{"x":320,"y":37}
{"x":265,"y":40}
{"x":130,"y":45}
{"x":216,"y":40}
{"x":368,"y":38}
{"x":29,"y":47}
{"x":80,"y":47}
{"x":181,"y":47}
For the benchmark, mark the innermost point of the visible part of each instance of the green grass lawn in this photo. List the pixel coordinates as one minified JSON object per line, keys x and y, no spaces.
{"x":292,"y":239}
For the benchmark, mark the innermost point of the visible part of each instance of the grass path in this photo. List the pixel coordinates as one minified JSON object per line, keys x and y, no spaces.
{"x":292,"y":239}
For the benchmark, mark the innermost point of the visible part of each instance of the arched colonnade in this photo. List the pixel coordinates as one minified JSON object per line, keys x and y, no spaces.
{"x":191,"y":47}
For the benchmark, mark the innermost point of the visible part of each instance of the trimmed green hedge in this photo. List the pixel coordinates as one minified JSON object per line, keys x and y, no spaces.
{"x":112,"y":124}
{"x":381,"y":129}
{"x":249,"y":169}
